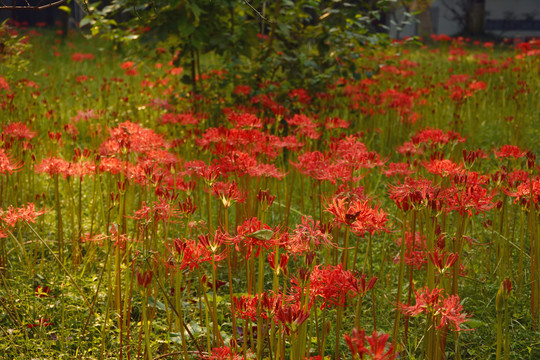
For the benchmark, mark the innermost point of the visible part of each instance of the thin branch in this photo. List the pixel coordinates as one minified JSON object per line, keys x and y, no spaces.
{"x":30,"y":7}
{"x":258,"y":13}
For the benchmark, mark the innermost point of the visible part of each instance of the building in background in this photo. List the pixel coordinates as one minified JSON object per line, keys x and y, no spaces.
{"x":500,"y":18}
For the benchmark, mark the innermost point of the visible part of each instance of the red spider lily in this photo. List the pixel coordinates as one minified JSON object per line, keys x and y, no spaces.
{"x":120,"y":240}
{"x":223,"y":141}
{"x":471,"y":199}
{"x":81,"y":167}
{"x":242,"y":163}
{"x":507,"y":285}
{"x":252,"y":234}
{"x":426,"y":302}
{"x":291,"y":316}
{"x":305,"y":126}
{"x":334,"y":285}
{"x":300,"y":95}
{"x":245,"y":120}
{"x":398,"y":169}
{"x":415,"y":253}
{"x":357,"y":215}
{"x":54,"y":166}
{"x":469,"y":157}
{"x":264,"y":197}
{"x":7,"y":165}
{"x":443,"y":167}
{"x":42,"y":291}
{"x":410,"y":149}
{"x":97,"y":238}
{"x":80,"y":57}
{"x":526,"y":192}
{"x":130,"y":137}
{"x":129,"y":68}
{"x":243,"y":90}
{"x":476,"y":85}
{"x":336,"y":123}
{"x":267,"y":102}
{"x":437,"y":259}
{"x":433,"y":137}
{"x":181,"y":119}
{"x":245,"y":307}
{"x":281,"y":266}
{"x":270,"y":303}
{"x":224,"y":353}
{"x":40,"y":323}
{"x":312,"y":164}
{"x":289,"y":142}
{"x":415,"y":193}
{"x":510,"y":151}
{"x":19,"y":131}
{"x":448,"y":311}
{"x":354,"y":153}
{"x":4,"y":84}
{"x":13,"y":215}
{"x":378,"y":349}
{"x":187,"y":207}
{"x":144,"y":278}
{"x":307,"y":235}
{"x":192,"y":253}
{"x":228,"y":193}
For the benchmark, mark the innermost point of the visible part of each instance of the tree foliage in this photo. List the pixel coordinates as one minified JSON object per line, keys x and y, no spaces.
{"x":305,"y":41}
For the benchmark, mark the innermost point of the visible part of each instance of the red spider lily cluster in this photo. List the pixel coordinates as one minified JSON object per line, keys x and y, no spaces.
{"x":265,"y":220}
{"x":445,"y":311}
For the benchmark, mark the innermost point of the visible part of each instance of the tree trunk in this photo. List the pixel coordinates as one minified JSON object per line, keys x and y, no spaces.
{"x":475,"y":18}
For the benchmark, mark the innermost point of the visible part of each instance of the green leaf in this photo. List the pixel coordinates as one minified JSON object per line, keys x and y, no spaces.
{"x":264,"y":234}
{"x":474,"y":323}
{"x":65,"y":8}
{"x":86,"y":21}
{"x":195,"y":10}
{"x":158,"y":304}
{"x":94,"y":30}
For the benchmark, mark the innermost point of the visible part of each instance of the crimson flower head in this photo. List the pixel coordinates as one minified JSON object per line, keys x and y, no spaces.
{"x":26,"y":213}
{"x":398,"y":169}
{"x":42,"y":291}
{"x":437,"y":258}
{"x":245,"y":307}
{"x":228,"y":193}
{"x":308,"y":234}
{"x":358,"y":215}
{"x":41,"y":322}
{"x":377,"y":350}
{"x":470,"y":199}
{"x":7,"y":165}
{"x":334,"y":285}
{"x":252,"y":234}
{"x":414,"y":193}
{"x":245,"y":120}
{"x":510,"y":151}
{"x":447,"y":311}
{"x":305,"y":126}
{"x":54,"y":166}
{"x":291,"y":316}
{"x":145,"y":278}
{"x":443,"y":167}
{"x":223,"y":353}
{"x":19,"y":131}
{"x":436,"y":137}
{"x":527,"y":192}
